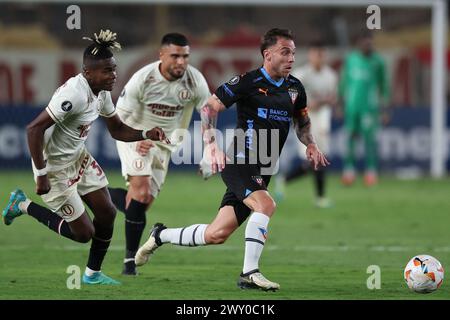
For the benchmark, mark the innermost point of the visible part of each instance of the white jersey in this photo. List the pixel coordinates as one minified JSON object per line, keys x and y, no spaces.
{"x":149,"y":100}
{"x":318,"y":84}
{"x":73,"y":107}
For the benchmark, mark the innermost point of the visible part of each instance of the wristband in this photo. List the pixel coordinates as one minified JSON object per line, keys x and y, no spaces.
{"x":144,"y":134}
{"x":41,"y":172}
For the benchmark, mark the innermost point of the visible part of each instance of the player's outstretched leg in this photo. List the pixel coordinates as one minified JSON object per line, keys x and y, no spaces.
{"x":255,"y":280}
{"x":149,"y":247}
{"x":13,"y":209}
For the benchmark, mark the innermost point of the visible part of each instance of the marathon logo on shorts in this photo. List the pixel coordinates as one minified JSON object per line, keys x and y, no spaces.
{"x":67,"y":210}
{"x":293,"y":93}
{"x":66,"y":106}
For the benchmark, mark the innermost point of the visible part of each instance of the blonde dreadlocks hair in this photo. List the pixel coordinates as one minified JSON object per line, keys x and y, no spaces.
{"x":102,"y":46}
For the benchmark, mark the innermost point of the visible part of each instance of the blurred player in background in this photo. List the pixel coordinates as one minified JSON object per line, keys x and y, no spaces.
{"x":65,"y":172}
{"x":267,"y":98}
{"x":163,"y":93}
{"x":320,"y":83}
{"x":364,"y":89}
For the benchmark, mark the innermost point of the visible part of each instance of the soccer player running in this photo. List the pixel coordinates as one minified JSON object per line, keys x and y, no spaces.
{"x":64,"y":171}
{"x":267,"y":99}
{"x":320,"y":82}
{"x":164,"y":94}
{"x":363,"y":87}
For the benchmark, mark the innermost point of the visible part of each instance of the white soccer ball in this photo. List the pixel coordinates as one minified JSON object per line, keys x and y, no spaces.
{"x":424,"y":274}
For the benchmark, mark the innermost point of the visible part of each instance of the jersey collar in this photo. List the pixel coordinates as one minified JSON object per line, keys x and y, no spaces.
{"x":267,"y":76}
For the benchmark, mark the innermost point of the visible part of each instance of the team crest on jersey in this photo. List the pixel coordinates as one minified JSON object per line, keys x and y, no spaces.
{"x":293,"y":93}
{"x":66,"y":106}
{"x":234,"y":80}
{"x":67,"y":210}
{"x":184,"y":94}
{"x":259,"y":180}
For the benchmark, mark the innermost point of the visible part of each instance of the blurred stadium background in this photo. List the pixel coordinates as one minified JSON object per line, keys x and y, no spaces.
{"x":38,"y":53}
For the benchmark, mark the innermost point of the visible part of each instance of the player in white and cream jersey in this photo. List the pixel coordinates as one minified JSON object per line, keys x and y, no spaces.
{"x":66,"y":174}
{"x":320,"y":82}
{"x":164,"y":94}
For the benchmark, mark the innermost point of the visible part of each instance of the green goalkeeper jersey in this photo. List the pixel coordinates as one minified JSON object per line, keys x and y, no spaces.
{"x":363,"y":82}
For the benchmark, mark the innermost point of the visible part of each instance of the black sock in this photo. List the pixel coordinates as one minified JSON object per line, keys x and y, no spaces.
{"x":134,"y":226}
{"x":99,"y":245}
{"x":301,"y":170}
{"x":118,"y":197}
{"x":50,"y":219}
{"x":320,"y":182}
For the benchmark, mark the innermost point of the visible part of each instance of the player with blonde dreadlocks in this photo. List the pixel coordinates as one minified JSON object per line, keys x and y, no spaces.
{"x":66,"y":174}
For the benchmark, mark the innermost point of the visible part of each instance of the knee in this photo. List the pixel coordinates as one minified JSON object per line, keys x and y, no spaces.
{"x":142,"y":192}
{"x":106,"y":215}
{"x":266,"y":206}
{"x":217,"y":236}
{"x":85,"y":235}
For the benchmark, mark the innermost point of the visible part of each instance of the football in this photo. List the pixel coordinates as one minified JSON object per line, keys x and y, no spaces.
{"x":424,"y":274}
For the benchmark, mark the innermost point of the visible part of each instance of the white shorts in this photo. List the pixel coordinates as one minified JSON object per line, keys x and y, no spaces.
{"x":155,"y":164}
{"x":69,"y":184}
{"x":320,"y":129}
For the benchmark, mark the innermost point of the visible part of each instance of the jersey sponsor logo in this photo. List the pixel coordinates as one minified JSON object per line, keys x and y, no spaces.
{"x":67,"y":210}
{"x":249,"y":135}
{"x":184,"y":94}
{"x":262,"y":113}
{"x":84,"y":130}
{"x":293,"y":93}
{"x":274,"y":114}
{"x":163,"y":110}
{"x":263,"y":91}
{"x":66,"y":106}
{"x":234,"y":80}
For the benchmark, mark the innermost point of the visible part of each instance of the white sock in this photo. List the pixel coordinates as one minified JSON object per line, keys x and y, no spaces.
{"x":188,"y":236}
{"x":90,"y":272}
{"x":255,"y":238}
{"x":23,"y":206}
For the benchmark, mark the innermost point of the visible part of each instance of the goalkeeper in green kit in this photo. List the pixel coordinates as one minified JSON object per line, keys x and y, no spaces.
{"x":363,"y":89}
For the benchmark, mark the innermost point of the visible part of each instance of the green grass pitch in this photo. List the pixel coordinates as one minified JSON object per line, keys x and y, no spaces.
{"x":313,"y":253}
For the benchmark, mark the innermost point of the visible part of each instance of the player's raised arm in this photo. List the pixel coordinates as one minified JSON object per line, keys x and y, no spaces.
{"x":120,"y":131}
{"x":35,"y":135}
{"x":302,"y":125}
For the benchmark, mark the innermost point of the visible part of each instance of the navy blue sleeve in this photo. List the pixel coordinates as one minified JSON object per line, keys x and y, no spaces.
{"x":301,"y":102}
{"x":231,"y":91}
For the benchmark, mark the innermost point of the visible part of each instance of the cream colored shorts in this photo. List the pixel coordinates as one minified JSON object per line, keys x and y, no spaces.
{"x":155,"y":164}
{"x":69,"y":184}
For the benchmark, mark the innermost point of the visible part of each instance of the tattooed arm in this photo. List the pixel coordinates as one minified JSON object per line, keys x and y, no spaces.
{"x":303,"y":130}
{"x":302,"y":125}
{"x":213,"y":157}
